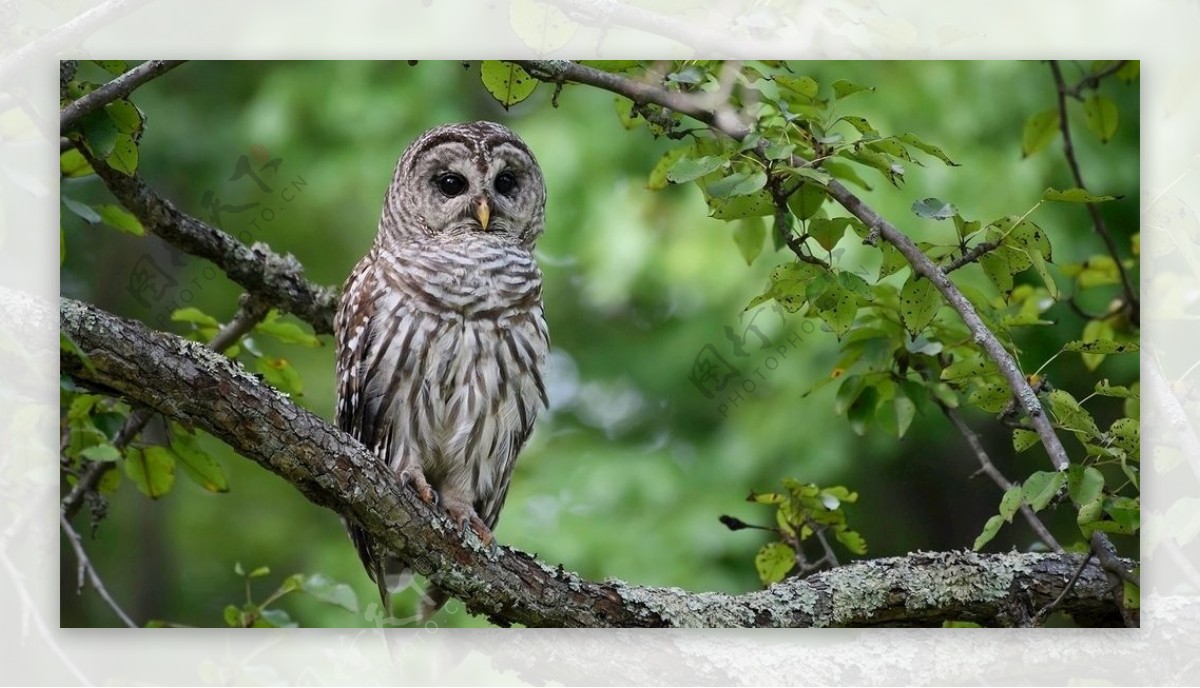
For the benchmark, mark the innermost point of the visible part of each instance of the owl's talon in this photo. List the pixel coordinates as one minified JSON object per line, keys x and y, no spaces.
{"x":464,"y":517}
{"x":415,"y":479}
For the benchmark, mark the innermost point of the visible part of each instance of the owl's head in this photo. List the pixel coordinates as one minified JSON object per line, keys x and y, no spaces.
{"x":457,"y":179}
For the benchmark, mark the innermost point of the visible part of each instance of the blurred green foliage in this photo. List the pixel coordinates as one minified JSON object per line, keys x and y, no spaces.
{"x":628,"y":472}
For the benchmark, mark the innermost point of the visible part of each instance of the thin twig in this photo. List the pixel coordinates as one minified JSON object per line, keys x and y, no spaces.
{"x":1093,"y":80}
{"x":86,"y":569}
{"x":997,"y":477}
{"x":974,"y":254}
{"x":1131,"y":296}
{"x":113,"y":90}
{"x":67,"y":36}
{"x":1044,"y":611}
{"x":32,"y":611}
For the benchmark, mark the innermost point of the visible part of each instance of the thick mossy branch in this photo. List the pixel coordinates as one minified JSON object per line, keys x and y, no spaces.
{"x":189,"y":382}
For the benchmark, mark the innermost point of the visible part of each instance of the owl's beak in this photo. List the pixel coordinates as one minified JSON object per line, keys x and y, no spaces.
{"x":483,"y":211}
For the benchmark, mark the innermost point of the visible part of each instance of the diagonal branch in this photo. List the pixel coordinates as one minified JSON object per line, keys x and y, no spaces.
{"x":1131,"y":294}
{"x":86,"y":568}
{"x":117,"y":88}
{"x":564,"y":70}
{"x":277,"y":280}
{"x":191,"y":383}
{"x":997,"y":477}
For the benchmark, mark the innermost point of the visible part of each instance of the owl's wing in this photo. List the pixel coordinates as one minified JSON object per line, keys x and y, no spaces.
{"x":353,"y":328}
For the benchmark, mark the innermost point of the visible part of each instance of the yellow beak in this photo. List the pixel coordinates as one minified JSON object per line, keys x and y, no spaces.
{"x":482,"y":211}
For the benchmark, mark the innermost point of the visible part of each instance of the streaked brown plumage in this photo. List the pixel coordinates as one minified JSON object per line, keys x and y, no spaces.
{"x":441,"y":336}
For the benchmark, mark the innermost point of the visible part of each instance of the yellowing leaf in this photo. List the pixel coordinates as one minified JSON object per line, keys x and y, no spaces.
{"x":1040,"y":129}
{"x":151,"y":469}
{"x":1100,"y":116}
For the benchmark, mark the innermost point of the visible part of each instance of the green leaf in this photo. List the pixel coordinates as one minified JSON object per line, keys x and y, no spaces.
{"x":507,"y":82}
{"x":1024,"y":236}
{"x":280,"y":373}
{"x":1101,"y":346}
{"x":274,"y":618}
{"x":1070,"y":414}
{"x":862,"y":410}
{"x":687,"y":169}
{"x":658,"y":175}
{"x":1074,"y":196}
{"x":1085,"y":485}
{"x":849,"y":390}
{"x":774,"y":561}
{"x":893,"y":261}
{"x":964,"y":227}
{"x":203,"y":469}
{"x":738,"y":184}
{"x":1023,"y":439}
{"x":287,"y":332}
{"x":758,"y":204}
{"x":259,"y":572}
{"x":125,"y":115}
{"x":927,"y":148}
{"x":806,"y":201}
{"x":846,"y":173}
{"x":101,"y":452}
{"x":862,"y":126}
{"x":329,"y":591}
{"x":72,"y":164}
{"x":1125,"y":433}
{"x":989,"y":531}
{"x":120,"y":218}
{"x":838,"y":307}
{"x":934,"y":208}
{"x":1131,"y":595}
{"x":1040,"y":129}
{"x":1100,"y":116}
{"x":992,"y":397}
{"x":194,"y":315}
{"x":800,"y":85}
{"x":852,"y":541}
{"x":114,"y":67}
{"x":919,"y":302}
{"x":1106,"y":390}
{"x":100,"y":132}
{"x":827,"y":232}
{"x":83,"y":210}
{"x":1010,"y":502}
{"x":749,"y":235}
{"x":968,"y":367}
{"x":151,"y":469}
{"x":124,"y":157}
{"x":233,"y":616}
{"x":999,"y":270}
{"x":1041,"y":487}
{"x":845,"y":89}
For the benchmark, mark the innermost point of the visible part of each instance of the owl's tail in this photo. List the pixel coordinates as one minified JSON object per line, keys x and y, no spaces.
{"x":432,"y":600}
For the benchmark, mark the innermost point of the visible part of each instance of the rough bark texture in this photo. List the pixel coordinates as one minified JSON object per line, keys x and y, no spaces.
{"x":190,"y":383}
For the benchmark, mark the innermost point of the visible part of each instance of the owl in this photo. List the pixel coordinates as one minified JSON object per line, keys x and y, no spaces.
{"x":441,"y":335}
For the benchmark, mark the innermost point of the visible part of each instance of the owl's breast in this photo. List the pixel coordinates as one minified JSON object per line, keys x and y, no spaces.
{"x":480,"y":281}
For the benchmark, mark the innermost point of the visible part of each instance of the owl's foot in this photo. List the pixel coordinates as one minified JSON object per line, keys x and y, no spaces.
{"x":463,"y":516}
{"x":414,"y":478}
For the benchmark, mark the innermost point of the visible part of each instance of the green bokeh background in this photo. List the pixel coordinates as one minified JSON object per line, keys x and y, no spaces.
{"x":627,"y":473}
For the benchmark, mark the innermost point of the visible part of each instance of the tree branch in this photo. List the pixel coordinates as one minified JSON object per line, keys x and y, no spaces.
{"x":997,"y":477}
{"x":117,"y":88}
{"x":194,"y":385}
{"x":277,"y":280}
{"x":1131,"y":295}
{"x":560,"y":70}
{"x":86,"y":568}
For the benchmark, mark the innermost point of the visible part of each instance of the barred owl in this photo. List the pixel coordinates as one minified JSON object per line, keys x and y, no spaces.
{"x":441,"y":336}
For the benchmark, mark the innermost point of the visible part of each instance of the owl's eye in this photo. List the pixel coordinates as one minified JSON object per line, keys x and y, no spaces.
{"x":506,"y":182}
{"x":450,"y":184}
